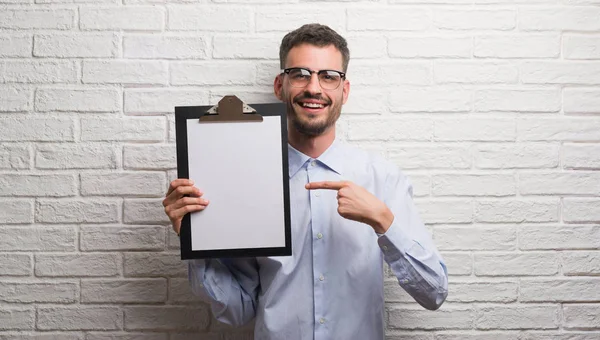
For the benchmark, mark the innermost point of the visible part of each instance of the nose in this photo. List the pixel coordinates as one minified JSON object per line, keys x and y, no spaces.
{"x":313,"y":85}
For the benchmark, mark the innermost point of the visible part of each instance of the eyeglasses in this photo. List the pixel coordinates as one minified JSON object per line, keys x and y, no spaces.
{"x":328,"y":79}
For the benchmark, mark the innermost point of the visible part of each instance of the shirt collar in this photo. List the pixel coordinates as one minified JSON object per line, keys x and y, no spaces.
{"x":333,"y":158}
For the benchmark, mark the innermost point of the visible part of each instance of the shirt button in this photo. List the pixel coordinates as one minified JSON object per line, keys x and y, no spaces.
{"x":322,"y":321}
{"x":313,"y":163}
{"x":317,"y":194}
{"x":321,"y":278}
{"x":384,"y":248}
{"x":319,"y":236}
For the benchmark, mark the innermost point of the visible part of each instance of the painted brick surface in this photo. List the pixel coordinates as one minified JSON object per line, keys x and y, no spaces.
{"x":491,"y":107}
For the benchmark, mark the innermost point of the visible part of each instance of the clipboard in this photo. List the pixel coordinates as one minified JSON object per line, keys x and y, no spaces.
{"x":237,"y":154}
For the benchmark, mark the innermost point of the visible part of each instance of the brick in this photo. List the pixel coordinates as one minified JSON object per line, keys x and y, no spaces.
{"x":382,"y":73}
{"x":576,"y":46}
{"x":73,"y":264}
{"x":17,"y":318}
{"x":138,"y":129}
{"x":458,"y":263}
{"x":105,"y":238}
{"x":391,"y":19}
{"x":266,"y":71}
{"x":15,"y":265}
{"x":80,"y":156}
{"x":245,"y":47}
{"x":473,"y":185}
{"x":482,"y":291}
{"x":560,"y":290}
{"x":166,"y":318}
{"x":488,"y":335}
{"x":582,"y":316}
{"x":581,"y":210}
{"x":574,"y":18}
{"x":581,"y":156}
{"x":390,"y":129}
{"x":128,"y":184}
{"x":144,"y":212}
{"x":421,"y":185}
{"x":13,"y":211}
{"x":559,"y":237}
{"x":581,"y":263}
{"x":484,"y":72}
{"x":124,"y":291}
{"x":558,"y":336}
{"x":181,"y":293}
{"x":269,"y":19}
{"x":150,"y":157}
{"x":126,"y":336}
{"x":125,"y":72}
{"x":41,"y":336}
{"x":79,"y":318}
{"x":209,"y":18}
{"x":14,"y":156}
{"x":199,"y":73}
{"x":60,"y":19}
{"x":517,"y":100}
{"x":561,"y":72}
{"x":475,"y":238}
{"x":517,"y":46}
{"x":15,"y":45}
{"x":33,"y":71}
{"x":367,"y":46}
{"x":154,"y":264}
{"x":516,"y":156}
{"x":36,"y":129}
{"x":498,"y":19}
{"x":517,"y":317}
{"x":145,"y":46}
{"x":78,"y":100}
{"x":581,"y":100}
{"x":421,"y":157}
{"x":38,"y":238}
{"x":445,"y":211}
{"x":445,"y":318}
{"x":15,"y":99}
{"x":513,"y":211}
{"x":37,"y":185}
{"x":430,"y":47}
{"x":76,"y":45}
{"x":558,"y":129}
{"x":560,"y":183}
{"x":41,"y":292}
{"x":474,"y":129}
{"x":434,"y":99}
{"x":77,"y":211}
{"x":122,"y":18}
{"x":521,"y":264}
{"x":162,"y":100}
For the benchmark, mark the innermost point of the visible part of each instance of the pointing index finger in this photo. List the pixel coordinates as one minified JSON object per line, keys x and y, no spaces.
{"x":329,"y":185}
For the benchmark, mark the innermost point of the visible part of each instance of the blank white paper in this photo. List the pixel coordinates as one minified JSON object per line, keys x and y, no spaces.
{"x":238,"y":166}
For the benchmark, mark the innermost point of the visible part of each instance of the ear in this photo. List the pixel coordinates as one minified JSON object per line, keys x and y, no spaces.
{"x":345,"y":91}
{"x":278,"y":86}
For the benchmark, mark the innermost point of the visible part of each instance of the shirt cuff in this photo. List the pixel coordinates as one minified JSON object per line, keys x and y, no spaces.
{"x":394,"y":243}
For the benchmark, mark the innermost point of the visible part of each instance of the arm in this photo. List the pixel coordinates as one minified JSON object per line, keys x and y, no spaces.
{"x":409,"y":250}
{"x":229,"y":285}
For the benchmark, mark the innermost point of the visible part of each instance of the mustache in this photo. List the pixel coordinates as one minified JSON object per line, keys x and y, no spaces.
{"x":308,"y":95}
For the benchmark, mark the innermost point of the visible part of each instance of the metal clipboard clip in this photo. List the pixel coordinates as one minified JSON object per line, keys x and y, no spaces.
{"x":231,"y":109}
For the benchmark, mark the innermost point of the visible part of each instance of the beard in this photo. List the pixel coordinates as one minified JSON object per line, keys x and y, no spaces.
{"x":309,"y":124}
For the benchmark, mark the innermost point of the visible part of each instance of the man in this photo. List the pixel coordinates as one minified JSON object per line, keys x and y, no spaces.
{"x":350,"y":211}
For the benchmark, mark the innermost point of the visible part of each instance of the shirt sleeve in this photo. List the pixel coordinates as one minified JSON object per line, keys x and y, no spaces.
{"x":409,"y":249}
{"x":229,"y":285}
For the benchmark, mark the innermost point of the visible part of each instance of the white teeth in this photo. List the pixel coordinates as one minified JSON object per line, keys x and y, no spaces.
{"x":313,"y":105}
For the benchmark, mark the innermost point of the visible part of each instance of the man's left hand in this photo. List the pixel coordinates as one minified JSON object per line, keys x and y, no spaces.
{"x":357,"y":204}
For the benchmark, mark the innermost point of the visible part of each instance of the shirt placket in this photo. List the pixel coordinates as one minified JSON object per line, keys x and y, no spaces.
{"x":318,"y":247}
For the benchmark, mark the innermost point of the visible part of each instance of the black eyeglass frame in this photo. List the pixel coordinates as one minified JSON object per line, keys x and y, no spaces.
{"x":289,"y":69}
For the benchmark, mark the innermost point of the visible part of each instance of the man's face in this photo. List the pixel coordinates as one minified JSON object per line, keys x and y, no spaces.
{"x":312,"y":109}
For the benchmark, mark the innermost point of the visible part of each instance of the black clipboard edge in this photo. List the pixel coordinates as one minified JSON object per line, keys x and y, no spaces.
{"x":182,"y":114}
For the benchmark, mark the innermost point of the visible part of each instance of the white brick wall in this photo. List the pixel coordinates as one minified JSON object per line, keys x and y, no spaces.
{"x":492,"y":108}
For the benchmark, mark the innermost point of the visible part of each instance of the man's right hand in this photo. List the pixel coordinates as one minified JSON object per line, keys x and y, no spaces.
{"x":176,"y":205}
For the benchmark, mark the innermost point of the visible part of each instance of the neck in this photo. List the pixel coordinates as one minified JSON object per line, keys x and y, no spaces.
{"x":312,"y":146}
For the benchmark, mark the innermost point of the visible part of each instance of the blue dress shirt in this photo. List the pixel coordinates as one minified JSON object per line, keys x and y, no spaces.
{"x":332,"y":285}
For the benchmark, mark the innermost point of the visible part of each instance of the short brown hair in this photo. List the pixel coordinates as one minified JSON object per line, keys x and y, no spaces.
{"x":317,"y":35}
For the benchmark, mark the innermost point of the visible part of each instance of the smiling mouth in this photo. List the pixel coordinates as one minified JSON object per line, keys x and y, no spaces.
{"x":312,"y":105}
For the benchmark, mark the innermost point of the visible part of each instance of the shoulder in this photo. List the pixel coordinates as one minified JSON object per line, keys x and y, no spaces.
{"x":370,"y":162}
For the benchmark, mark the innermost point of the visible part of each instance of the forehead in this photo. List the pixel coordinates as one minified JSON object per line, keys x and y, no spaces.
{"x":314,"y":57}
